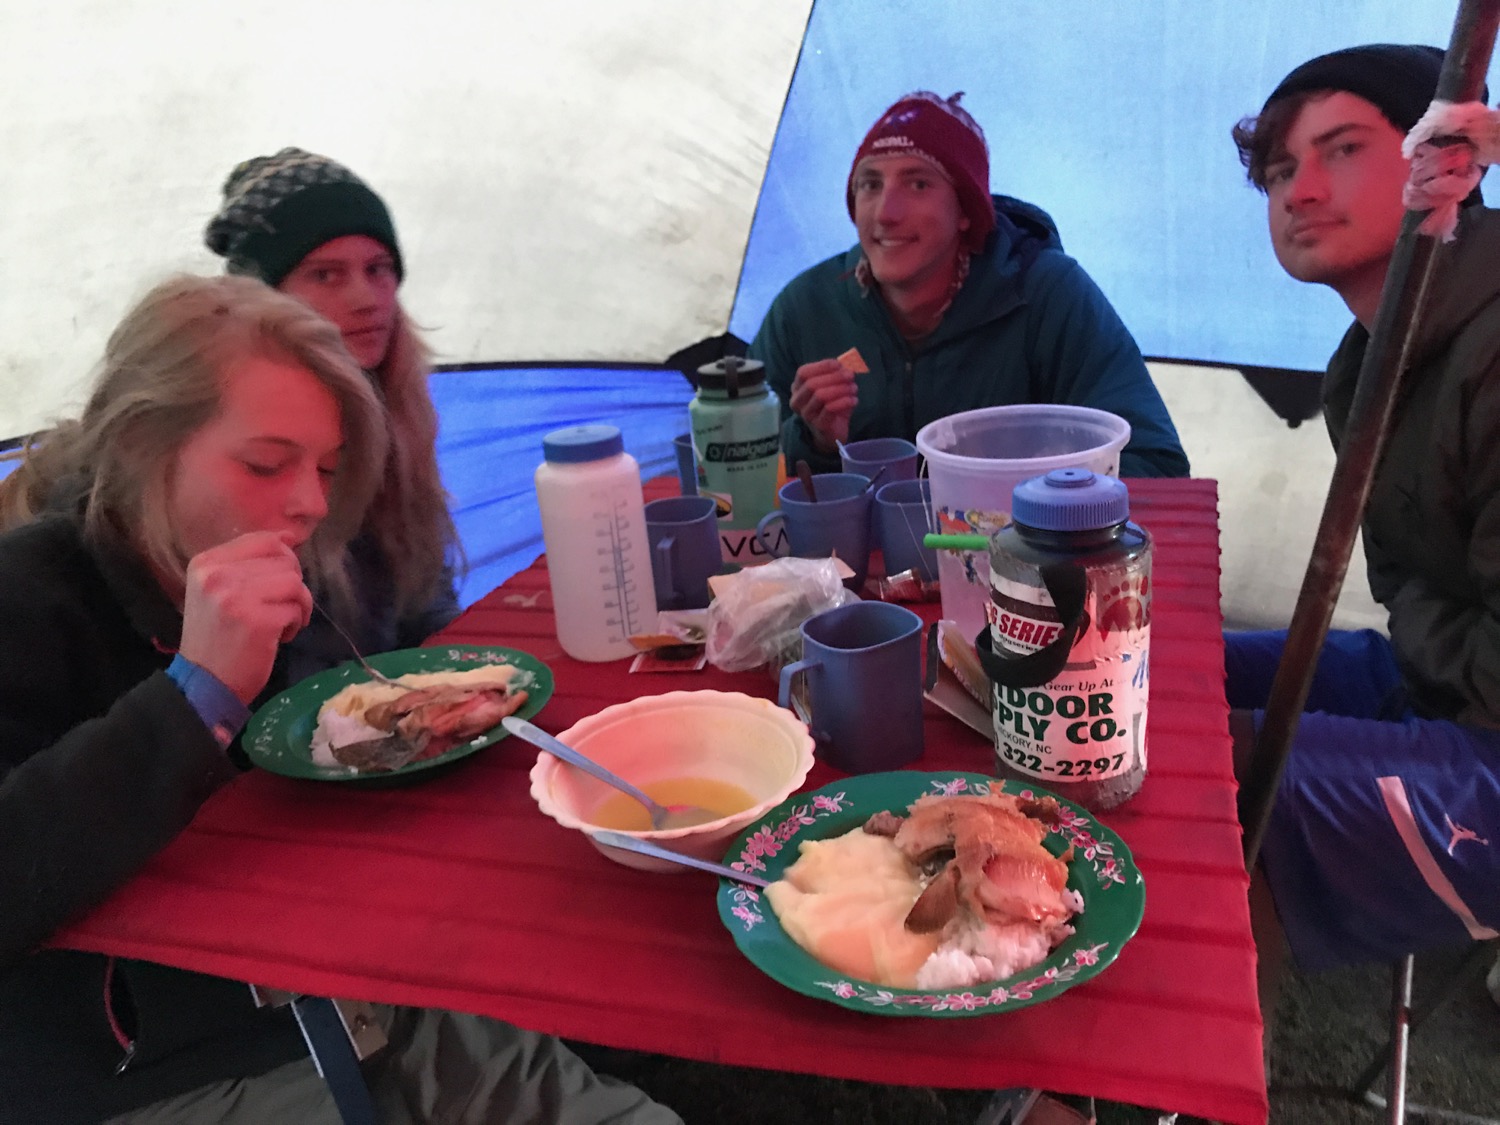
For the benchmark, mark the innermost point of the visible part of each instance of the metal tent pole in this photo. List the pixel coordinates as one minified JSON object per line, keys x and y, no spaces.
{"x":1397,"y":322}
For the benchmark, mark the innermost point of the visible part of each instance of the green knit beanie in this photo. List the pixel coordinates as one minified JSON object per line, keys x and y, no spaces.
{"x":278,"y":209}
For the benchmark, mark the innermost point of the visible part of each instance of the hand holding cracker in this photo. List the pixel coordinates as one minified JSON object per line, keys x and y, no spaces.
{"x":824,"y":396}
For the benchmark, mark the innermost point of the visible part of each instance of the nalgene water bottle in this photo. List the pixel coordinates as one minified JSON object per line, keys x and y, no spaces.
{"x":737,"y":436}
{"x":1067,"y":649}
{"x":594,"y":527}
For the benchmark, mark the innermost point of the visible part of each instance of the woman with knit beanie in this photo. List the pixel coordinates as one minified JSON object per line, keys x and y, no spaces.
{"x":311,"y":228}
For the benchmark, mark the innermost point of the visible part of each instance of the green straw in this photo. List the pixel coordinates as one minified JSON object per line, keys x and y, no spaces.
{"x":956,"y":542}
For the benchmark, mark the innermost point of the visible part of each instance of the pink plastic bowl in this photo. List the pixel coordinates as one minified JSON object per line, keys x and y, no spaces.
{"x":715,"y":735}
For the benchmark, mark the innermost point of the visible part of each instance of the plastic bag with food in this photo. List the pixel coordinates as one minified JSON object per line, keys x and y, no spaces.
{"x":755,"y":614}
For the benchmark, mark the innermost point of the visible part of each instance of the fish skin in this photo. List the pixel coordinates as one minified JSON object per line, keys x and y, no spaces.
{"x":937,"y":904}
{"x":1000,"y":872}
{"x":379,"y":755}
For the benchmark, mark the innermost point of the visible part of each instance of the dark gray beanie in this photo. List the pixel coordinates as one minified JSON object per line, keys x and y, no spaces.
{"x":1398,"y":79}
{"x":278,"y":209}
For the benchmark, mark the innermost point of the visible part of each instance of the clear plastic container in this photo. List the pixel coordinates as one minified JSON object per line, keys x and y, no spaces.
{"x":975,"y":460}
{"x":594,"y":527}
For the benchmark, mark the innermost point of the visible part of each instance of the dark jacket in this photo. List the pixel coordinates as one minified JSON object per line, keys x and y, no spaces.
{"x":1432,"y":528}
{"x":102,"y":762}
{"x":1027,"y":326}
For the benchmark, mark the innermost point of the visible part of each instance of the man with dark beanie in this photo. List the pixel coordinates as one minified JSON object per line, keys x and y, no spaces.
{"x":1385,"y":836}
{"x":955,"y":300}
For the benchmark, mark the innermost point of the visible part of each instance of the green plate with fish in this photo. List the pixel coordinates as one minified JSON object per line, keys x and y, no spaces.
{"x":279,"y":735}
{"x":1102,"y":871}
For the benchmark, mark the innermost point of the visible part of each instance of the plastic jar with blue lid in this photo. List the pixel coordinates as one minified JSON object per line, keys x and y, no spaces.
{"x":1067,"y":648}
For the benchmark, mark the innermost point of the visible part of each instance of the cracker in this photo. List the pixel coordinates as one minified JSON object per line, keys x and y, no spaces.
{"x":852,"y":362}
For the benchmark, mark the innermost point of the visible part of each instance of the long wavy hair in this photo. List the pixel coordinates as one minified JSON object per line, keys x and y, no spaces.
{"x":160,"y":381}
{"x":409,"y":518}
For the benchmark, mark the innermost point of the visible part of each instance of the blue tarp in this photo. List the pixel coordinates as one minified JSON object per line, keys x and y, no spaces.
{"x":1115,"y":118}
{"x":490,"y":444}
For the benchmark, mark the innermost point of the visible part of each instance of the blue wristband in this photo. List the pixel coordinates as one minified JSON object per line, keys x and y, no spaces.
{"x":219,"y":708}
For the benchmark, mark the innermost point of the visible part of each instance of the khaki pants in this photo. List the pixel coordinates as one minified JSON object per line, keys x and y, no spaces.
{"x":440,"y":1068}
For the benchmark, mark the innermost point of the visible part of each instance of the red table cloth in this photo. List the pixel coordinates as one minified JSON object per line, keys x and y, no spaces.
{"x":458,"y":893}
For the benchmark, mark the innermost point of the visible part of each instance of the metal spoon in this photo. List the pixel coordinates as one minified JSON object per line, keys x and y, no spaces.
{"x":646,"y":847}
{"x":662,"y":816}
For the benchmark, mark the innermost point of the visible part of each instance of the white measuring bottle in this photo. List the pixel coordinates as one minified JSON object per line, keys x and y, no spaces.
{"x":594,"y":528}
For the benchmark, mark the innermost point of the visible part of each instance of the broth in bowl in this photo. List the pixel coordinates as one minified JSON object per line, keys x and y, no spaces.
{"x":623,"y":813}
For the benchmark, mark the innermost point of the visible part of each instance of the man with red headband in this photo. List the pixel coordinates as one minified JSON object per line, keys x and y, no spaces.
{"x":955,"y":300}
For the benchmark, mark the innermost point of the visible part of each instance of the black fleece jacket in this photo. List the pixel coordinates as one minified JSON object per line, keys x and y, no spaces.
{"x":102,"y":762}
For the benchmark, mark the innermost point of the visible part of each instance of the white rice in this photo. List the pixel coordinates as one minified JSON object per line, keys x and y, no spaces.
{"x":333,"y":730}
{"x":950,"y":967}
{"x":992,"y":952}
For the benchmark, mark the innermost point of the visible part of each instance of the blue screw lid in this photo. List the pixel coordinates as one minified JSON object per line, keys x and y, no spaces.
{"x":1070,"y":500}
{"x":576,"y":444}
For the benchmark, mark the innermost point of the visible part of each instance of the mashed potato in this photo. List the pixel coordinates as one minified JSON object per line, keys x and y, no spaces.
{"x":845,"y":901}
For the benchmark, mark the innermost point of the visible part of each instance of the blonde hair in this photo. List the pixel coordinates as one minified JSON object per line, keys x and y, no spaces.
{"x":409,"y":518}
{"x":160,"y":381}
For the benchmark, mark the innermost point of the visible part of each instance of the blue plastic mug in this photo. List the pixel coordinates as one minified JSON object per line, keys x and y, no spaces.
{"x":897,"y":456}
{"x":683,"y":533}
{"x":838,"y":524}
{"x":862,"y":667}
{"x":902,"y":518}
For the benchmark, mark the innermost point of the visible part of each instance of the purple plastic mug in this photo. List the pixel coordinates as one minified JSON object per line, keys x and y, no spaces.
{"x":862,"y":665}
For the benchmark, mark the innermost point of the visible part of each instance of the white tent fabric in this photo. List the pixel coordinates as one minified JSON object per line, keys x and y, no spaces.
{"x":570,"y":180}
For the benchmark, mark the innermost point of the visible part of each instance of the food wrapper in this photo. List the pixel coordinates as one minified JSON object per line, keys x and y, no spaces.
{"x":955,"y":679}
{"x":908,"y":586}
{"x":756,"y":614}
{"x":676,"y":646}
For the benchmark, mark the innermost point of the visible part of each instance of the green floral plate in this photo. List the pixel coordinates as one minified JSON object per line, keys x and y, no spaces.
{"x":279,"y":735}
{"x":1102,"y":871}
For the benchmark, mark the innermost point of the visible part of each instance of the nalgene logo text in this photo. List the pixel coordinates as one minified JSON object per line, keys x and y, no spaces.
{"x":723,"y":451}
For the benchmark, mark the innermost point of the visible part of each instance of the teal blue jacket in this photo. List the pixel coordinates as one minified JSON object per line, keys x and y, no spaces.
{"x":1028,"y":326}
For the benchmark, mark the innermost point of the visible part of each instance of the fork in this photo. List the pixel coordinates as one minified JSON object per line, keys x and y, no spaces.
{"x":375,"y":673}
